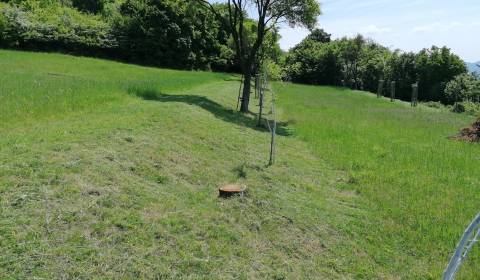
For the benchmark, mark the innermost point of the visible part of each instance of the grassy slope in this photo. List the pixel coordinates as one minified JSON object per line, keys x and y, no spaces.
{"x":420,"y":188}
{"x":96,"y":182}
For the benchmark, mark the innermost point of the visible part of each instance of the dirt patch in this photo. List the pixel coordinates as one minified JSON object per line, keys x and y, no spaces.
{"x":471,"y":133}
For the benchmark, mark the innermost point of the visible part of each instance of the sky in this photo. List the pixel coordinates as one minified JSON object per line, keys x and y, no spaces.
{"x":403,"y":24}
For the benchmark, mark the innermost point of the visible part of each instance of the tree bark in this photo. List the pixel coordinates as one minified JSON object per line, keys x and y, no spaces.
{"x":247,"y":77}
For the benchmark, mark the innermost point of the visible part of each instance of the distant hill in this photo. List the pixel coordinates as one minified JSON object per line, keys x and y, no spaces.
{"x":473,"y":67}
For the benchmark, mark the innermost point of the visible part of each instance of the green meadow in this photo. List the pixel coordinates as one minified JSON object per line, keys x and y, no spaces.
{"x":111,"y":171}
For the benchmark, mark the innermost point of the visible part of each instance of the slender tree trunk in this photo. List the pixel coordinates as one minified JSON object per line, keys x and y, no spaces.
{"x":247,"y":75}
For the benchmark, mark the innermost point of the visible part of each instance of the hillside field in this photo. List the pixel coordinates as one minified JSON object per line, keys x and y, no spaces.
{"x":110,"y":170}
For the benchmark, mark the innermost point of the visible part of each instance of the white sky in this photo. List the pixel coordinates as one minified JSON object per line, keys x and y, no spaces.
{"x":407,"y":25}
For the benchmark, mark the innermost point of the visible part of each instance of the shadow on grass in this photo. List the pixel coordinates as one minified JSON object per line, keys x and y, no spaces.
{"x":228,"y":115}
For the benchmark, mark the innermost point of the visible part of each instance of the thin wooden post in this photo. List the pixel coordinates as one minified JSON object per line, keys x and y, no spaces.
{"x":273,"y":131}
{"x":257,"y":78}
{"x":239,"y":99}
{"x":272,"y":141}
{"x":380,"y":88}
{"x":392,"y":91}
{"x":414,"y":94}
{"x":261,"y":96}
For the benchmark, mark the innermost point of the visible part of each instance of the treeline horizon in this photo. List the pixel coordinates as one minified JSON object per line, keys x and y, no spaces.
{"x":360,"y":63}
{"x":164,"y":33}
{"x":182,"y":34}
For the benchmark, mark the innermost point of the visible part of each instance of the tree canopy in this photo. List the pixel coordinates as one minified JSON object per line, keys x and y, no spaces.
{"x":201,"y":34}
{"x":268,"y":14}
{"x":360,"y":63}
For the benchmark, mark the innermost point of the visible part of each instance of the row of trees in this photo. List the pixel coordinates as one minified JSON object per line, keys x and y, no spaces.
{"x":186,"y":34}
{"x":196,"y":34}
{"x":168,"y":33}
{"x":360,"y":63}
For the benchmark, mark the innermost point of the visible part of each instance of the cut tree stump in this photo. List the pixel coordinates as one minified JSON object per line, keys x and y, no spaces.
{"x":231,"y":190}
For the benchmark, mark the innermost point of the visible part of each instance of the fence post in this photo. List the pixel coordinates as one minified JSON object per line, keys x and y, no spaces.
{"x":414,"y":94}
{"x":257,"y":85}
{"x":260,"y":104}
{"x":392,"y":91}
{"x":380,"y":88}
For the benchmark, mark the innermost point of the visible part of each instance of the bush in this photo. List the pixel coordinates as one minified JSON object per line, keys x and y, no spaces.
{"x":434,"y":104}
{"x":312,"y":62}
{"x":176,"y":34}
{"x":54,"y":28}
{"x":467,"y":107}
{"x":463,"y":87}
{"x":275,"y":72}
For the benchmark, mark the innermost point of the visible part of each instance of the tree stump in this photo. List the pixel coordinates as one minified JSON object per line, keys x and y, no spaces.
{"x":231,"y":190}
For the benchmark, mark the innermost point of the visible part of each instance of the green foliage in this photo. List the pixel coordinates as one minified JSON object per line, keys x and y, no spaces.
{"x":371,"y":65}
{"x":436,"y":67}
{"x":275,"y":71}
{"x":463,"y":87}
{"x":467,"y":107}
{"x":319,"y":35}
{"x":314,"y":62}
{"x":401,"y":68}
{"x":359,"y":63}
{"x":90,"y":6}
{"x":32,"y":25}
{"x":296,"y":12}
{"x":174,"y":33}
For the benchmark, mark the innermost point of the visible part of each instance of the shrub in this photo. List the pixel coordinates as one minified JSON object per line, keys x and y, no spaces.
{"x":463,"y":87}
{"x":434,"y":104}
{"x":467,"y":107}
{"x":55,"y":28}
{"x":275,"y":72}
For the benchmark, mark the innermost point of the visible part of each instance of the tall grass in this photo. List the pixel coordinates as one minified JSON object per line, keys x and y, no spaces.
{"x":422,"y":187}
{"x":31,"y":88}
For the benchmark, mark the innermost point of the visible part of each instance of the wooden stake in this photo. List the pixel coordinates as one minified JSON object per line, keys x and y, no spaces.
{"x":380,"y":88}
{"x":392,"y":91}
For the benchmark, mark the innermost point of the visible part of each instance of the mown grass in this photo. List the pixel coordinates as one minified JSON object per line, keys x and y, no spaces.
{"x":421,"y":189}
{"x":121,"y":182}
{"x":111,"y":171}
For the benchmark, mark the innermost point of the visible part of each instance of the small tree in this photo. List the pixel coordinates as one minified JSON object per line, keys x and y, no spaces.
{"x":351,"y":51}
{"x":463,"y":87}
{"x":268,"y":13}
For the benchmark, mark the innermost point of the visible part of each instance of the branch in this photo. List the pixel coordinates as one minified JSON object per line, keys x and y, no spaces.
{"x":211,"y":8}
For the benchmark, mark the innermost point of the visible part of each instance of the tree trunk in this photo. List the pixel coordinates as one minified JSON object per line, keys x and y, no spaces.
{"x":247,"y":77}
